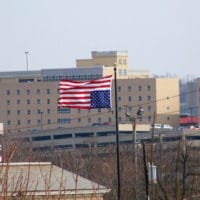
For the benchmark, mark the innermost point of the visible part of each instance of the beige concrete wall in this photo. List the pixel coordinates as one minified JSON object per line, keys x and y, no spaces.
{"x":154,"y":99}
{"x":167,"y":98}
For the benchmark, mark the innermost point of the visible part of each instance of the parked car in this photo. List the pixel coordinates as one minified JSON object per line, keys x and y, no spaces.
{"x":157,"y":126}
{"x":167,"y":126}
{"x":163,"y":126}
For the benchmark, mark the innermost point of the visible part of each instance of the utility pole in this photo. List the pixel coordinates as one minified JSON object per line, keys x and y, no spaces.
{"x":140,"y":112}
{"x":145,"y":173}
{"x":117,"y":137}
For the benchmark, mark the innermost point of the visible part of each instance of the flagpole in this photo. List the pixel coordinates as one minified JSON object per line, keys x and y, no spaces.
{"x":117,"y":138}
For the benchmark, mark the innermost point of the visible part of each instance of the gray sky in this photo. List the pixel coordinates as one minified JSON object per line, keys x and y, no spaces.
{"x":162,"y":36}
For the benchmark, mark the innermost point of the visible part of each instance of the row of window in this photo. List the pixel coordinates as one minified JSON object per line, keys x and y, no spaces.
{"x":76,"y":135}
{"x":122,"y":72}
{"x":139,"y":98}
{"x":28,"y":101}
{"x":29,"y":122}
{"x":72,"y":77}
{"x":38,"y":111}
{"x":68,"y":120}
{"x":48,"y":91}
{"x":28,"y":92}
{"x":140,"y":88}
{"x":122,"y":61}
{"x":98,"y":120}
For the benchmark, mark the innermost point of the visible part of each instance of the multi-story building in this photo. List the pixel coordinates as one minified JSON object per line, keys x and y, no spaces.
{"x":190,"y":101}
{"x":29,"y":98}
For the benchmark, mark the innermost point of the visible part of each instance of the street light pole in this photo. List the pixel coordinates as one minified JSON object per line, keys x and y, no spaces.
{"x":133,"y":120}
{"x":26,"y":53}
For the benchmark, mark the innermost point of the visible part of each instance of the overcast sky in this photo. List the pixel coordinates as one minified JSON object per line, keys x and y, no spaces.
{"x":162,"y":36}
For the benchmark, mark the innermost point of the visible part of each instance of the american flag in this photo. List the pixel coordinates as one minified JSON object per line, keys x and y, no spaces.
{"x":85,"y":95}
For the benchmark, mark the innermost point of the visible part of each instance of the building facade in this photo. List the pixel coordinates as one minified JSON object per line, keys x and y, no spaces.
{"x":29,"y":98}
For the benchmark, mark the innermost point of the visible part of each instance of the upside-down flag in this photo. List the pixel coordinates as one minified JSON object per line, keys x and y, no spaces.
{"x":85,"y":95}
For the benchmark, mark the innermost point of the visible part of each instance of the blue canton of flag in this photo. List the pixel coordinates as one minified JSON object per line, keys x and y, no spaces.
{"x":100,"y":99}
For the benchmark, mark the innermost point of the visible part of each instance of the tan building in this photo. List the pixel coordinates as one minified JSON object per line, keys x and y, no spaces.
{"x":107,"y":59}
{"x":29,"y":98}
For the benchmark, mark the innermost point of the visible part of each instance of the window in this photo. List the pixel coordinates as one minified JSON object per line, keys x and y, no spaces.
{"x":89,"y":120}
{"x":119,"y":88}
{"x":8,"y":112}
{"x":125,"y":72}
{"x":38,"y":91}
{"x":63,"y":136}
{"x":38,"y":101}
{"x":28,"y":112}
{"x":79,"y":146}
{"x":120,"y":72}
{"x":8,"y":102}
{"x":99,"y":120}
{"x":41,"y":138}
{"x":49,"y":121}
{"x":28,"y":101}
{"x":67,"y":146}
{"x":18,"y":122}
{"x":168,"y":118}
{"x":48,"y":91}
{"x":149,"y":98}
{"x":119,"y":98}
{"x":28,"y":121}
{"x":79,"y":120}
{"x":106,"y":133}
{"x":149,"y":108}
{"x":139,"y":88}
{"x":148,"y":87}
{"x":18,"y":92}
{"x":64,"y":110}
{"x":129,"y":88}
{"x":8,"y":92}
{"x":129,"y":98}
{"x":18,"y":101}
{"x":149,"y":118}
{"x":48,"y":111}
{"x":139,"y":98}
{"x":28,"y":92}
{"x":18,"y":112}
{"x":64,"y":121}
{"x":48,"y":101}
{"x":124,"y":61}
{"x":8,"y":122}
{"x":38,"y":111}
{"x":80,"y":135}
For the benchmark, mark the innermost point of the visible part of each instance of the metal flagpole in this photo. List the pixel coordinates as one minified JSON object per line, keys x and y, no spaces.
{"x":117,"y":138}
